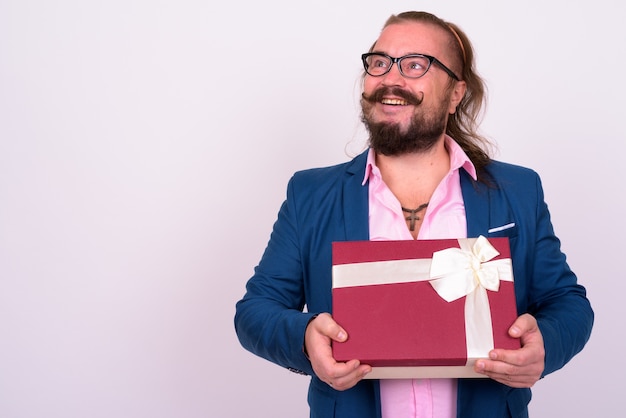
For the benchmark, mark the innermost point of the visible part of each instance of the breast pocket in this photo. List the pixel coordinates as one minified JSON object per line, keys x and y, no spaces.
{"x":506,"y":230}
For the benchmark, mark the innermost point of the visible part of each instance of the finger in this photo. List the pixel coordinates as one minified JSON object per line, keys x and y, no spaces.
{"x":331,"y":370}
{"x":513,"y":380}
{"x":510,"y":374}
{"x":500,"y":372}
{"x":531,"y":354}
{"x":356,"y":373}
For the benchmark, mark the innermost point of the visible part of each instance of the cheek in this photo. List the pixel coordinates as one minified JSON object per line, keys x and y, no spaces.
{"x":369,"y":84}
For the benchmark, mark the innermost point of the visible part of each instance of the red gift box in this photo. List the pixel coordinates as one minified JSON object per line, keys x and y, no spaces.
{"x":423,"y":308}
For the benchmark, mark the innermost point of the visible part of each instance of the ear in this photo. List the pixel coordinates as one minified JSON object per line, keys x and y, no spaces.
{"x":458,"y":91}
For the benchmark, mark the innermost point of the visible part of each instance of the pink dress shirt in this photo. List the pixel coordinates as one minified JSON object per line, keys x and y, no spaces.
{"x":444,"y":218}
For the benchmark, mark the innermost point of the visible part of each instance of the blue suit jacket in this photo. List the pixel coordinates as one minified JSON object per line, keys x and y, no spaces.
{"x":330,"y":204}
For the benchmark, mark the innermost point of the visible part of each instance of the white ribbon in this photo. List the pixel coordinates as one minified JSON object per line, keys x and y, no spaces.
{"x":468,"y":271}
{"x":454,"y":272}
{"x":457,"y":272}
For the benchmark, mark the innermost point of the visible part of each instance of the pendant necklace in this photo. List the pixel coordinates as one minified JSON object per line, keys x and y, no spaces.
{"x":413,"y":215}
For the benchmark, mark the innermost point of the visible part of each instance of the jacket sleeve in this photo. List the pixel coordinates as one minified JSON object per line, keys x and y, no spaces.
{"x":556,"y":299}
{"x":269,"y":319}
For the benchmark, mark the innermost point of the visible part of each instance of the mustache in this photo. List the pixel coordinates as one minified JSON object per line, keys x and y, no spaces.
{"x":378,"y":94}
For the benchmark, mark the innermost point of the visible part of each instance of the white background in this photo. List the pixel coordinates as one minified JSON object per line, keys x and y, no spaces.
{"x":145,"y":147}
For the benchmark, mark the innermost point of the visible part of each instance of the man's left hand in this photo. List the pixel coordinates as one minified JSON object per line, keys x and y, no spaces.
{"x":517,"y":368}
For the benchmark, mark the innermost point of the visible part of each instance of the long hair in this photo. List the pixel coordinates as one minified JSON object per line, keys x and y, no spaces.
{"x":463,"y":125}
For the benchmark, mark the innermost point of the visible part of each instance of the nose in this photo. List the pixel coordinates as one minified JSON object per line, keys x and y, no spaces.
{"x":393,"y":76}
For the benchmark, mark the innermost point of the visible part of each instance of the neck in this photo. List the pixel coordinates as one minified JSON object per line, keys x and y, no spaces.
{"x":419,"y":172}
{"x":413,"y":178}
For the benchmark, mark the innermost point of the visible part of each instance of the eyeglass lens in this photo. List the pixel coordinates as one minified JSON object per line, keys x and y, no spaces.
{"x":412,"y":66}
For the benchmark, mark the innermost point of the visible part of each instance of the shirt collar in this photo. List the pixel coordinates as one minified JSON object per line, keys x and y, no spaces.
{"x":458,"y":159}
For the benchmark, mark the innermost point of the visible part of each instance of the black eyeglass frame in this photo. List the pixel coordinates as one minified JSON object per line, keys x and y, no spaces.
{"x":396,"y":61}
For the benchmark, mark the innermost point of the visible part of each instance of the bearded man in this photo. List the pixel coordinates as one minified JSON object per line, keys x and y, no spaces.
{"x":426,"y":174}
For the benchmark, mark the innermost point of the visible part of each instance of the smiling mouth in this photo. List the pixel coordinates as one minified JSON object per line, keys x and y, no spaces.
{"x":393,"y":96}
{"x":394,"y":102}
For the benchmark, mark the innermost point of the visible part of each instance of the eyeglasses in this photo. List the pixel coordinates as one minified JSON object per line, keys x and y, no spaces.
{"x":378,"y":64}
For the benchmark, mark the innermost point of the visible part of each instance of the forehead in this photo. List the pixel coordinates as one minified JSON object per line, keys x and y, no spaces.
{"x":412,"y":37}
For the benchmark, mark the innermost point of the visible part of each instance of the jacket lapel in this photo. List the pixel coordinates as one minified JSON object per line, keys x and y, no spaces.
{"x":355,"y":200}
{"x":476,"y":198}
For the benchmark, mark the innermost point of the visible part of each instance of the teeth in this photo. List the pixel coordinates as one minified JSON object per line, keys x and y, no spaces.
{"x":395,"y":102}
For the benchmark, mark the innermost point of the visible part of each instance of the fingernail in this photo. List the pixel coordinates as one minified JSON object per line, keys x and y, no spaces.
{"x":341,"y":336}
{"x":493,"y":355}
{"x":480,"y":365}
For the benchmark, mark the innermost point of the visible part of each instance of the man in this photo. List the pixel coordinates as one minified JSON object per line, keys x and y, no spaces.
{"x":425,"y":175}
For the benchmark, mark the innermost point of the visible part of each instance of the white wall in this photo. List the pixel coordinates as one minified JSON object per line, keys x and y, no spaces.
{"x":145,"y":147}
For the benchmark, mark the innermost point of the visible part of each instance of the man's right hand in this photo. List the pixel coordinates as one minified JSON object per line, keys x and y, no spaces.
{"x":320,"y":332}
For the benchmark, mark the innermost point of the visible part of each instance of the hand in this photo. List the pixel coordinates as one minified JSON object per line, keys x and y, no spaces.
{"x":317,"y":341}
{"x":517,"y":368}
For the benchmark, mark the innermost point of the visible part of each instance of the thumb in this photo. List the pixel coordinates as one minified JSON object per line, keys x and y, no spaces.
{"x":331,"y":328}
{"x":523,"y":324}
{"x":341,"y":335}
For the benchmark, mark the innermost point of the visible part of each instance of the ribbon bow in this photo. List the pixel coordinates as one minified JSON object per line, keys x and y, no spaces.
{"x":457,"y":272}
{"x":469,"y":272}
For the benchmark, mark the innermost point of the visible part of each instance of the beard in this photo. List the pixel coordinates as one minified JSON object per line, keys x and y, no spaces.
{"x":421,"y":135}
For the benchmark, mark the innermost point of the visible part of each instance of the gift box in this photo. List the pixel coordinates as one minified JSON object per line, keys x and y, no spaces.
{"x":423,"y":308}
